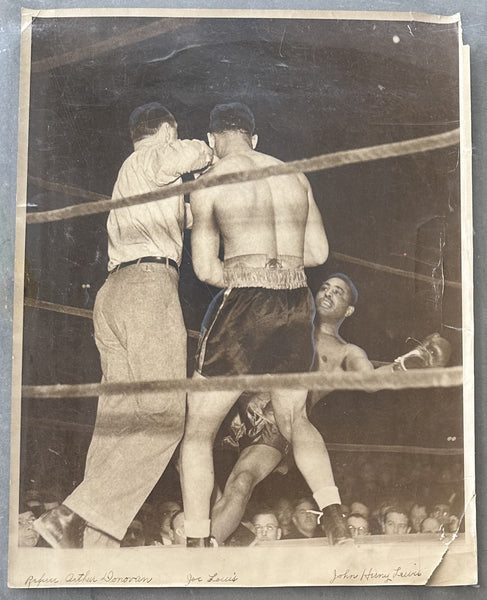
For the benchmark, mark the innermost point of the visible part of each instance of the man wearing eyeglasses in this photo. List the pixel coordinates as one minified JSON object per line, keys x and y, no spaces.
{"x":357,"y":525}
{"x":266,"y":527}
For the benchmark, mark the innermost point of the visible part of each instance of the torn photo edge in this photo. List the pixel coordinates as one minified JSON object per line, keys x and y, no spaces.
{"x":35,"y":568}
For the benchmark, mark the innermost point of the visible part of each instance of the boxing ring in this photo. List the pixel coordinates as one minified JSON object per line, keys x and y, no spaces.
{"x":97,"y":203}
{"x":376,"y":560}
{"x":368,"y":382}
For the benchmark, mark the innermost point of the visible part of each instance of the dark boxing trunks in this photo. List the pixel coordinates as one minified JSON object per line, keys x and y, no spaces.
{"x":253,"y":330}
{"x":254,"y":424}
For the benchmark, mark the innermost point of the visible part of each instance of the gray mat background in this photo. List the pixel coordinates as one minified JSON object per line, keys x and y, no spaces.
{"x":474,"y":21}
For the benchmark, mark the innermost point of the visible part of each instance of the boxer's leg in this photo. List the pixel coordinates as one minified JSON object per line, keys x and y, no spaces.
{"x":312,"y":459}
{"x":309,"y":450}
{"x":205,"y":413}
{"x":252,"y":467}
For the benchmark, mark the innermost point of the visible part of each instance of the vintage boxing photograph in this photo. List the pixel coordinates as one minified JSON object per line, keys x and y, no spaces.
{"x":243,"y":348}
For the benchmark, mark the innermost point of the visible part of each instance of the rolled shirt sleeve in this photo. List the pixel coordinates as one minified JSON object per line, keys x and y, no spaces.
{"x":179,"y":157}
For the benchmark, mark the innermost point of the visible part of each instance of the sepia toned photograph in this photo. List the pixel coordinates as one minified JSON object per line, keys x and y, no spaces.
{"x":243,"y":328}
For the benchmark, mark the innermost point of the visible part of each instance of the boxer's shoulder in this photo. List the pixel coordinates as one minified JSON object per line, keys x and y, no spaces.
{"x":356,"y":359}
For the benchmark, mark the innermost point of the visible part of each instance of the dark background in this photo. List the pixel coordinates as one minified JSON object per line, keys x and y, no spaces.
{"x":315,"y":87}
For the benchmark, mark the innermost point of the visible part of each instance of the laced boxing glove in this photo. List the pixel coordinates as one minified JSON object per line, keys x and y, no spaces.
{"x":433,"y":351}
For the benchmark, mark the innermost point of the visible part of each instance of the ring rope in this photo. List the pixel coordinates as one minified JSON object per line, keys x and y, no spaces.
{"x":59,"y":308}
{"x":334,"y":447}
{"x":318,"y":163}
{"x":75,"y":311}
{"x":112,"y":43}
{"x":394,"y":271}
{"x":367,"y":382}
{"x":396,"y":449}
{"x":69,"y":190}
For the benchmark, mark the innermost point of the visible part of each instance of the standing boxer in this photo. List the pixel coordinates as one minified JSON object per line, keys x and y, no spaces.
{"x":263,"y":320}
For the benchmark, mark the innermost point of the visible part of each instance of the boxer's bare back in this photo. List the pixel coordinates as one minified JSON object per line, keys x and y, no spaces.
{"x":274,"y":217}
{"x":273,"y":211}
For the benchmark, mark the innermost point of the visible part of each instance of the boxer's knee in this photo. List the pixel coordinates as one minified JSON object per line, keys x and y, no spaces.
{"x":242,"y":484}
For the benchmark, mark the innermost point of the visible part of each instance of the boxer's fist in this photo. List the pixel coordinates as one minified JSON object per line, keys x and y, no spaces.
{"x":433,"y":351}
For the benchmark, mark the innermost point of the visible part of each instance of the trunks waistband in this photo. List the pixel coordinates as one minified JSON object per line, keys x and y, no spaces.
{"x":259,"y":270}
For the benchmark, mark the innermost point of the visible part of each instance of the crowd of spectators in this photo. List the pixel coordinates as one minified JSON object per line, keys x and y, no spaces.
{"x":393,"y":495}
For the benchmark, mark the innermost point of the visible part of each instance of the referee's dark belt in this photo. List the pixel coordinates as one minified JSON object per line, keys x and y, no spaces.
{"x":147,"y":259}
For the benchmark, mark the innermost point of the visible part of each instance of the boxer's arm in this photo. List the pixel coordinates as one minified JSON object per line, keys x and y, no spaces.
{"x":205,"y":240}
{"x":357,"y":360}
{"x":315,"y":240}
{"x":433,"y":351}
